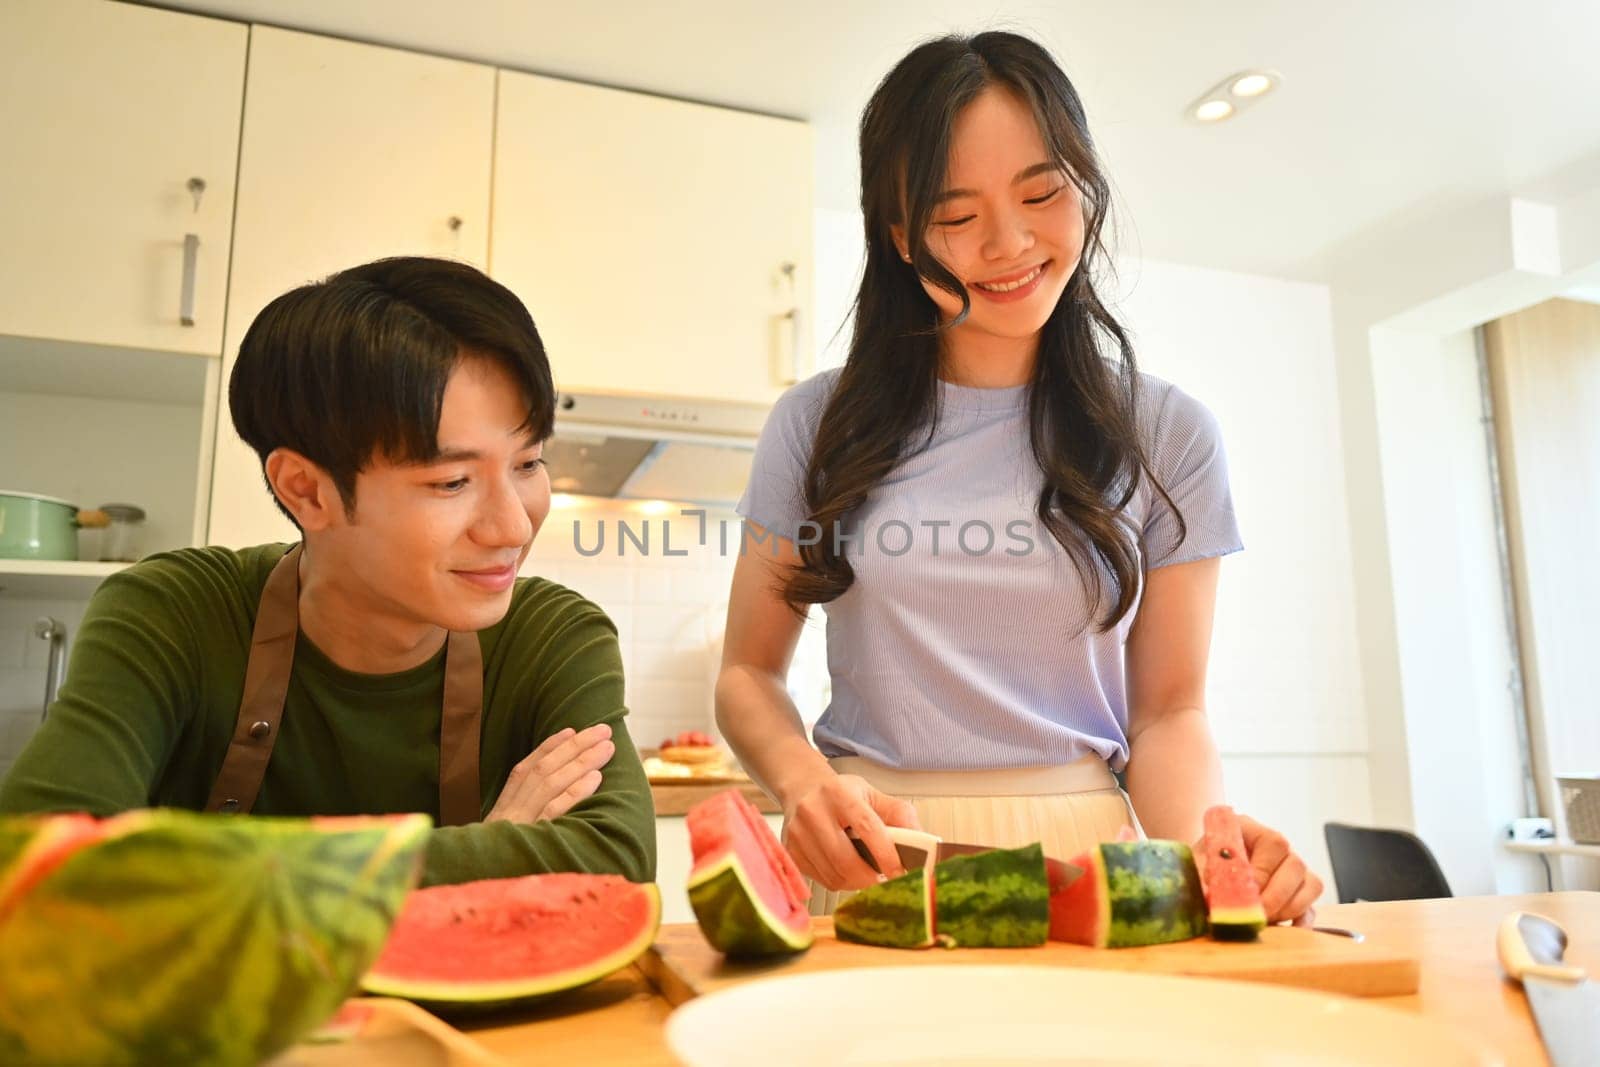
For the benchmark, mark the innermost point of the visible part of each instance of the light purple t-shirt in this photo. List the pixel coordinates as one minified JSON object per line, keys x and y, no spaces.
{"x":966,"y":641}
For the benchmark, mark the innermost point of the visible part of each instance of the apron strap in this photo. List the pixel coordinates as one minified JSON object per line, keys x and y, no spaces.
{"x":459,"y":799}
{"x":266,"y":684}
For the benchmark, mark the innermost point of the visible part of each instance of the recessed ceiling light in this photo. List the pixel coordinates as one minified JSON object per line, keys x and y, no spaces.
{"x":1233,"y":94}
{"x":1253,"y":84}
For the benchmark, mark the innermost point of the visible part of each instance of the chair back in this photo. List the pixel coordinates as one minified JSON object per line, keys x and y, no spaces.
{"x":1373,"y":864}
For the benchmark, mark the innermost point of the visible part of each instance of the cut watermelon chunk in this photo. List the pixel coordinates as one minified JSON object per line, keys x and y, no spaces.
{"x":488,"y":944}
{"x":1232,"y":895}
{"x":746,"y":891}
{"x":898,"y":913}
{"x":1132,"y":893}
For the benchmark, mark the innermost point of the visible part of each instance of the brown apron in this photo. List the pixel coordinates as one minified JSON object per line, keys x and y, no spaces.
{"x":266,"y":684}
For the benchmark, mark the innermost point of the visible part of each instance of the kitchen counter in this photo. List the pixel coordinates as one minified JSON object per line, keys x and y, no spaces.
{"x":620,"y":1020}
{"x":676,"y":798}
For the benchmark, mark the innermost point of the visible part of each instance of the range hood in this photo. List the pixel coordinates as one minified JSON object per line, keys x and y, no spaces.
{"x":637,"y":447}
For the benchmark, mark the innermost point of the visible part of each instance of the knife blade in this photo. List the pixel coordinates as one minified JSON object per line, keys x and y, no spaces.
{"x":919,"y":850}
{"x":1565,"y":1004}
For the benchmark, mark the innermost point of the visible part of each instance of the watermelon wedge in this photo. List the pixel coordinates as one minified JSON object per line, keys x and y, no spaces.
{"x":171,"y":937}
{"x":479,"y":946}
{"x":1133,"y":893}
{"x":746,"y":891}
{"x":1232,"y":895}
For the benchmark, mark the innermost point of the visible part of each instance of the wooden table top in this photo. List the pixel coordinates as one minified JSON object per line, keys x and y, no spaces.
{"x":620,"y":1020}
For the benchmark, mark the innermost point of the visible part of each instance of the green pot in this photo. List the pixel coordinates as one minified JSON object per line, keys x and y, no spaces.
{"x":37,"y":527}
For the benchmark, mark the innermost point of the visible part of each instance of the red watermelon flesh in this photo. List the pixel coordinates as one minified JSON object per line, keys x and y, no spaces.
{"x":1077,"y":914}
{"x":1232,"y":896}
{"x":501,"y":941}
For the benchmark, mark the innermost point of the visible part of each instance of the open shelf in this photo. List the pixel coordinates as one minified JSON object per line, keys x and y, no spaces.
{"x":52,"y":579}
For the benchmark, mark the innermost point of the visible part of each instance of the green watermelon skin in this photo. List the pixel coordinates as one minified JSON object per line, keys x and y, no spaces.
{"x":995,"y":899}
{"x":898,"y":913}
{"x":733,"y":921}
{"x":177,"y":938}
{"x":1154,"y":893}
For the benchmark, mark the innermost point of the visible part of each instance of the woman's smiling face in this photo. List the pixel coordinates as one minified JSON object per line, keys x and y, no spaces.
{"x":1009,"y":223}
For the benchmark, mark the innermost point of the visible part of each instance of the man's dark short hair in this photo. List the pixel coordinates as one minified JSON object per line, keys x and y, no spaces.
{"x":353,"y":368}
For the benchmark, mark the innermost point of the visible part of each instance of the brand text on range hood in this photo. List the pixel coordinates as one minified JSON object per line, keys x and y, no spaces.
{"x":649,"y":447}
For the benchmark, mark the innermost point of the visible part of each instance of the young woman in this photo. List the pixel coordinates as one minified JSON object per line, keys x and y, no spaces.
{"x":1014,"y":533}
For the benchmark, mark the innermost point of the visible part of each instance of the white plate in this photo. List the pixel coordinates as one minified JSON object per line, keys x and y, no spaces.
{"x":1011,"y":1016}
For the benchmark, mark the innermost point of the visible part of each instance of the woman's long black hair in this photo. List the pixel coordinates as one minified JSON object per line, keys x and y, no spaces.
{"x":1083,"y":399}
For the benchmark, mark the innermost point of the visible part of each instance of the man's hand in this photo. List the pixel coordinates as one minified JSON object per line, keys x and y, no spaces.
{"x":553,"y":777}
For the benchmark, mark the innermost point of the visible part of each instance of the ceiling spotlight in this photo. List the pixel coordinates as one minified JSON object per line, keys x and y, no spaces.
{"x":1233,"y":94}
{"x":1250,"y":85}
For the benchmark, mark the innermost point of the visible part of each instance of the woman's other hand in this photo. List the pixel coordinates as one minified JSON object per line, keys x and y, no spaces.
{"x":1288,"y":887}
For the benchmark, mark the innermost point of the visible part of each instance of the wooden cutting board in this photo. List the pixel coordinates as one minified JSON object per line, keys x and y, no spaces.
{"x":682,"y":965}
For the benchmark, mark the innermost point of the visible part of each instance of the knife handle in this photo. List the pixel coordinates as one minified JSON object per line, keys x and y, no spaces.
{"x":918,"y":849}
{"x":1532,"y":945}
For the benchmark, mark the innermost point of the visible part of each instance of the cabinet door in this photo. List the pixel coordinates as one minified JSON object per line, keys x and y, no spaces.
{"x":109,"y":110}
{"x":351,"y":152}
{"x":649,"y":238}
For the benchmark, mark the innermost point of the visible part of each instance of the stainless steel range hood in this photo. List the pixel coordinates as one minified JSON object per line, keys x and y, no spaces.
{"x":638,"y":447}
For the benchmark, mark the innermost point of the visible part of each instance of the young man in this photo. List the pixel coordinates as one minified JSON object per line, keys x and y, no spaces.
{"x":391,"y":661}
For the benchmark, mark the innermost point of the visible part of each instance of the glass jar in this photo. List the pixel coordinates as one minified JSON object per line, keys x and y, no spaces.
{"x":121,"y":541}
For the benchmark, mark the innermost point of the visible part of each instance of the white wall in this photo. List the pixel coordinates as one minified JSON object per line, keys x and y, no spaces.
{"x":1454,"y":651}
{"x":1285,"y":692}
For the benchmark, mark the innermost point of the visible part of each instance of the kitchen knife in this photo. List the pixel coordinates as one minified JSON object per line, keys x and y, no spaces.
{"x":1565,"y":1004}
{"x":919,"y":849}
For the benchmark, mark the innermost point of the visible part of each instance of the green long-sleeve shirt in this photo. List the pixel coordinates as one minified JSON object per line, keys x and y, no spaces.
{"x":153,"y":689}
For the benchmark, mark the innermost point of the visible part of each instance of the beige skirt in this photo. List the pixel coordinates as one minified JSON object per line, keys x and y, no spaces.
{"x":1066,"y":808}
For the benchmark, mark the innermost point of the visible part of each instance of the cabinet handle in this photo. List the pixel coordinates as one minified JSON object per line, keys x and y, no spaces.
{"x":191,"y":253}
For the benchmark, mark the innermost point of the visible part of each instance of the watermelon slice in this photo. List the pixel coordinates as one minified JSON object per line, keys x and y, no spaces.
{"x":746,"y":891}
{"x":898,"y":913}
{"x":1133,"y":893}
{"x":1232,"y":895}
{"x":479,"y":946}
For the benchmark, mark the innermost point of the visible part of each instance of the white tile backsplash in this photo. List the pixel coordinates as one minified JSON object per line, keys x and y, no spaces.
{"x":669,"y":610}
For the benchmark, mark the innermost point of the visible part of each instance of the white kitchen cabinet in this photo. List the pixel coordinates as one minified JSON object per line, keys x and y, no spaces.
{"x":350,"y":152}
{"x":109,"y":110}
{"x":663,"y":247}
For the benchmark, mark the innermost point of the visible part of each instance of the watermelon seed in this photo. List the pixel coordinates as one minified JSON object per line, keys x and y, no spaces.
{"x":1226,"y":853}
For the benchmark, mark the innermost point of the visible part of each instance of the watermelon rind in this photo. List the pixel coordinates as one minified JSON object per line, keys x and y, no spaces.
{"x":994,"y":899}
{"x":173,"y":937}
{"x":898,"y":913}
{"x":457,"y":997}
{"x":733,"y":916}
{"x":1153,"y":893}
